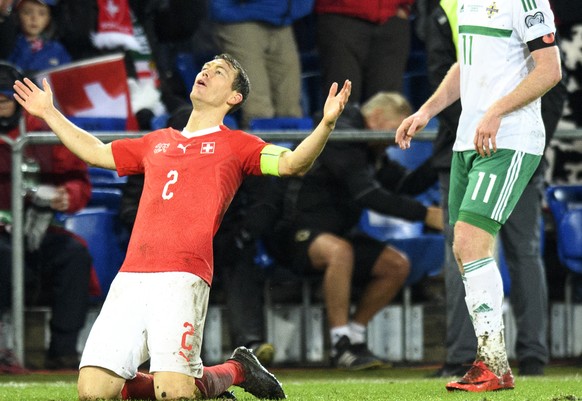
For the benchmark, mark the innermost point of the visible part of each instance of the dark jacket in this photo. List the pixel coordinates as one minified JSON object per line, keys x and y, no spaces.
{"x":350,"y":176}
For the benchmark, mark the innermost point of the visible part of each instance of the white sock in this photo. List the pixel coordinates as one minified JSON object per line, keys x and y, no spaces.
{"x":484,"y":299}
{"x":357,"y":333}
{"x":338,"y":332}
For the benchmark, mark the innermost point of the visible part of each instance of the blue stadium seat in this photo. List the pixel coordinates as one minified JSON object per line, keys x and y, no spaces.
{"x":159,"y":122}
{"x":105,"y":238}
{"x":102,"y":177}
{"x":565,"y":202}
{"x":187,"y":68}
{"x":109,"y":198}
{"x":426,"y":251}
{"x":412,"y":158}
{"x":281,"y":123}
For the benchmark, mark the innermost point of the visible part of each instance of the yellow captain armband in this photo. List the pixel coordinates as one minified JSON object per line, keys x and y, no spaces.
{"x":270,"y":159}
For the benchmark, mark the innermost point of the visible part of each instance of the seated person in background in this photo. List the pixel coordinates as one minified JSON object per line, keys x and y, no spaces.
{"x":57,"y":265}
{"x":321,"y":214}
{"x":35,"y":48}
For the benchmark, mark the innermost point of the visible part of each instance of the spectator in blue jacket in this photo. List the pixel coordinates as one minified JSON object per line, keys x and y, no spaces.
{"x":35,"y":49}
{"x":260,"y":35}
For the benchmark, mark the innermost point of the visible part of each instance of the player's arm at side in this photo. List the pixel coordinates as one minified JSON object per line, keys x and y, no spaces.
{"x":39,"y":102}
{"x":544,"y":76}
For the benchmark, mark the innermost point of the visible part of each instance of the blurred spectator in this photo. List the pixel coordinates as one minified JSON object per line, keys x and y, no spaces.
{"x":167,"y":28}
{"x":57,"y":264}
{"x":8,"y":28}
{"x":367,"y":42}
{"x":321,"y":214}
{"x":260,"y":35}
{"x":35,"y":48}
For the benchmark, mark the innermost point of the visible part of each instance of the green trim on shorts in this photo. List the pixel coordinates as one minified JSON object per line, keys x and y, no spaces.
{"x":484,"y":223}
{"x":489,"y":186}
{"x":270,"y":156}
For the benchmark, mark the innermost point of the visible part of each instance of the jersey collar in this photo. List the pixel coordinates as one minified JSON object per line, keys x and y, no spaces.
{"x":201,"y":132}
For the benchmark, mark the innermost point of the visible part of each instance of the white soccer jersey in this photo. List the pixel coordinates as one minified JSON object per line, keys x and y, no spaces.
{"x":494,"y":59}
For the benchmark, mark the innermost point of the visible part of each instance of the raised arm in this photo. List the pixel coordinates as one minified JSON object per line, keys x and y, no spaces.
{"x":39,"y":103}
{"x":300,"y":160}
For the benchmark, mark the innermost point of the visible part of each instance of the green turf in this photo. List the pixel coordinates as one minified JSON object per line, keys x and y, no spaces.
{"x":561,"y":383}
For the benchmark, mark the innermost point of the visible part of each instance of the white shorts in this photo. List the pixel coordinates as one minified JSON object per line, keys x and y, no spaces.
{"x":156,"y":316}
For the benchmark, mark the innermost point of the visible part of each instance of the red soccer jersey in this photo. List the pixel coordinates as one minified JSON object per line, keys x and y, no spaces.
{"x":189,"y":184}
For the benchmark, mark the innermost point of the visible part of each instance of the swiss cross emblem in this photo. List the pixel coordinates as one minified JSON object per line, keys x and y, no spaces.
{"x":207,"y":148}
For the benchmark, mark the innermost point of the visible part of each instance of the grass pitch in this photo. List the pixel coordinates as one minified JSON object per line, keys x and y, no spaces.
{"x":561,"y":383}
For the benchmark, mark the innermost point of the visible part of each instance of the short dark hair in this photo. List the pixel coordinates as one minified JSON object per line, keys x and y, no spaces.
{"x":241,"y":82}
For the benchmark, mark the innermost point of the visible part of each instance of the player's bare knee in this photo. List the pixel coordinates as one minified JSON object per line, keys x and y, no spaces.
{"x":98,"y":384}
{"x":175,"y":386}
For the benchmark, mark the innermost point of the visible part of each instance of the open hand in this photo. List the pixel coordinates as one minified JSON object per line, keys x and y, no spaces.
{"x":335,"y":102}
{"x":34,"y":100}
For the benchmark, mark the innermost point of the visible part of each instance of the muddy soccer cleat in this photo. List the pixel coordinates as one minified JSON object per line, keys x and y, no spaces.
{"x":258,"y":381}
{"x":479,"y":378}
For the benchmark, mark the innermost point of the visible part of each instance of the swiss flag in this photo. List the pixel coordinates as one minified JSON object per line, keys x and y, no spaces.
{"x":93,"y":93}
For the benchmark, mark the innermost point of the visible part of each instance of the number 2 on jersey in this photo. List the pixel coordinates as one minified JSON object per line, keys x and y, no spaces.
{"x":173,"y":178}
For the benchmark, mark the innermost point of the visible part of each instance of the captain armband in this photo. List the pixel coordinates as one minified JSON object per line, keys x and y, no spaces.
{"x":542,"y":42}
{"x":270,"y":156}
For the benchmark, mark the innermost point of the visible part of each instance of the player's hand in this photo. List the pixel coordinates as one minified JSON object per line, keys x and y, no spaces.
{"x":409,"y":127}
{"x":33,"y":99}
{"x":486,"y":133}
{"x":335,"y":102}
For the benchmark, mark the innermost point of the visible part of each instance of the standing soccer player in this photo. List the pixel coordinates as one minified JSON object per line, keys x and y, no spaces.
{"x":508,"y":59}
{"x":157,"y":304}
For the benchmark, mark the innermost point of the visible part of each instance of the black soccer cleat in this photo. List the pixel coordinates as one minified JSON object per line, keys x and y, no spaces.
{"x":258,"y":381}
{"x":354,"y":356}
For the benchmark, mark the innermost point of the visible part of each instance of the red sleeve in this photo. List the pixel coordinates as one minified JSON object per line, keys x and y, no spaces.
{"x":249,"y":149}
{"x":128,"y":154}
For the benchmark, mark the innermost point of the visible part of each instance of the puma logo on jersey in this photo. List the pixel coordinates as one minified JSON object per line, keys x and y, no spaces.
{"x":183,"y":147}
{"x":207,"y":148}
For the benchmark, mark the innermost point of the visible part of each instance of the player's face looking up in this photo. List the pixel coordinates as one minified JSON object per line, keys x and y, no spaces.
{"x":214,"y":84}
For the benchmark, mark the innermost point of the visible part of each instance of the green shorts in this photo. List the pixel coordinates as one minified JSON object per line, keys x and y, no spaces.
{"x":484,"y":190}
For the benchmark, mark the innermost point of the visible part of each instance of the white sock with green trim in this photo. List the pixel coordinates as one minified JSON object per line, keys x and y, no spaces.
{"x":484,"y":299}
